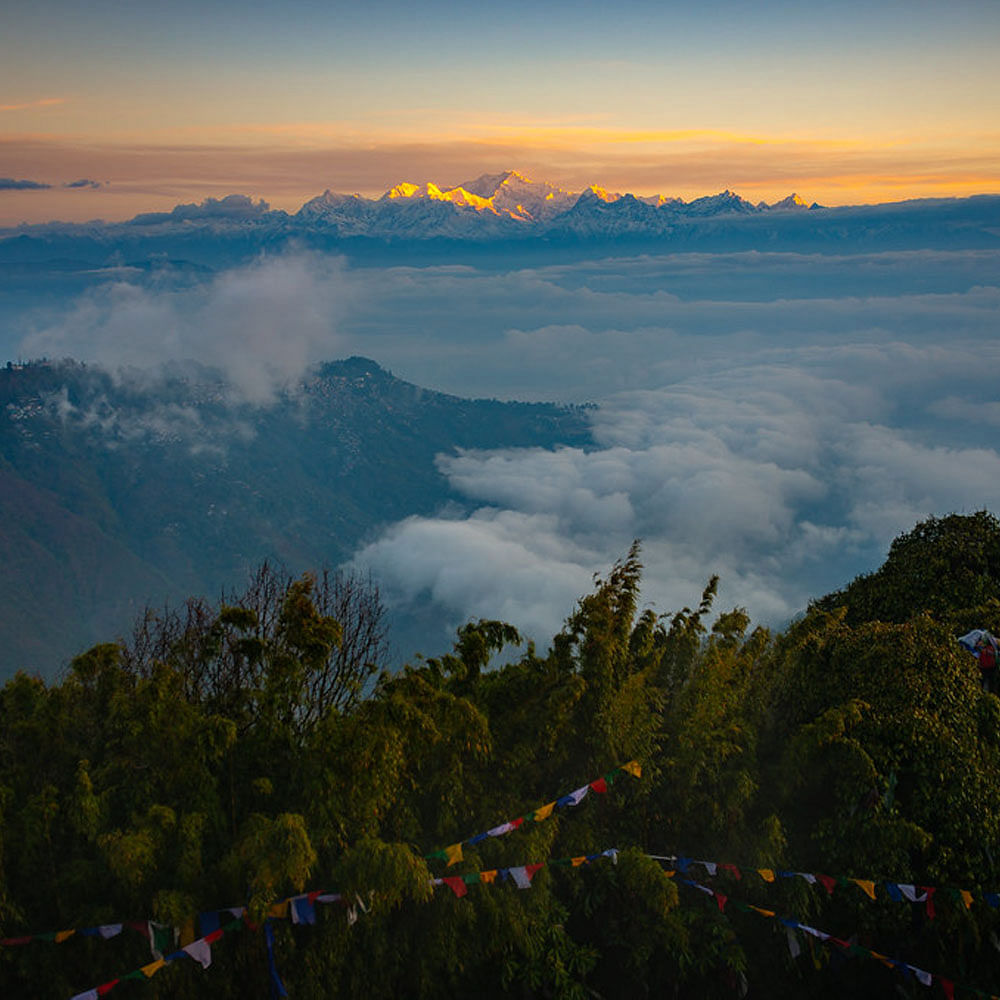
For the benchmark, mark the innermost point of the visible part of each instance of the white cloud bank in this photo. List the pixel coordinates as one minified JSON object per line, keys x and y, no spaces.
{"x":261,"y":325}
{"x":774,"y":418}
{"x":781,"y":442}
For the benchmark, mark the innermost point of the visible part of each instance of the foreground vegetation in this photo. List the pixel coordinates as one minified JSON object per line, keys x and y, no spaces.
{"x":240,"y":753}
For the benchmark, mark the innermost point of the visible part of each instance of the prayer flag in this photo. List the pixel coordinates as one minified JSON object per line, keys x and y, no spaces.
{"x":544,"y":812}
{"x":279,"y":911}
{"x":966,"y":898}
{"x":152,"y":968}
{"x":457,"y":885}
{"x":828,"y":882}
{"x":866,"y":886}
{"x":453,"y":854}
{"x":302,"y":910}
{"x":107,"y":987}
{"x":794,"y":948}
{"x":488,"y":876}
{"x":161,"y":937}
{"x":633,"y":768}
{"x":523,"y":874}
{"x":599,"y":785}
{"x":766,"y":874}
{"x":499,"y":831}
{"x":63,"y":935}
{"x":200,"y":951}
{"x":87,"y":995}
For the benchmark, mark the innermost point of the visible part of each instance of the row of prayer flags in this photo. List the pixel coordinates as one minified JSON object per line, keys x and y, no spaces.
{"x":301,"y":910}
{"x":520,"y":875}
{"x":452,"y":854}
{"x":791,"y":926}
{"x":896,"y":891}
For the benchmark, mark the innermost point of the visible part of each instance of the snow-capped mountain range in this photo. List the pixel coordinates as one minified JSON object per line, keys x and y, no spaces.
{"x":509,"y":203}
{"x":505,"y":210}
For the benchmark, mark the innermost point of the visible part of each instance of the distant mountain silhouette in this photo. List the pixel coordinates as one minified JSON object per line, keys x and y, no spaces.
{"x":114,"y":496}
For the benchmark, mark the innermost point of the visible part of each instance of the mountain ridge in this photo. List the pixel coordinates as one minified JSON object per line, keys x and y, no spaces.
{"x":115,"y":495}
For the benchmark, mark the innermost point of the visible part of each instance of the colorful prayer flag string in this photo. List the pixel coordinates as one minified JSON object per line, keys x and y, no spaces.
{"x":453,"y":853}
{"x":855,"y":950}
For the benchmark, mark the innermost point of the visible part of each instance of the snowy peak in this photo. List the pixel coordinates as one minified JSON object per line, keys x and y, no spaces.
{"x":792,"y":201}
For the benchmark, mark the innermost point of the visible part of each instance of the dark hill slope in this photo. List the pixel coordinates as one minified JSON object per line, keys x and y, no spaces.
{"x":114,"y":495}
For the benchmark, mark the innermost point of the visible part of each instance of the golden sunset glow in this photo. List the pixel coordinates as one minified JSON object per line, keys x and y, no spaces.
{"x":838,"y":105}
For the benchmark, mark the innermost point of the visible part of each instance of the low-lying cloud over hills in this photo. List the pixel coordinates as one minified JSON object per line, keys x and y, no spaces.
{"x":773,"y":415}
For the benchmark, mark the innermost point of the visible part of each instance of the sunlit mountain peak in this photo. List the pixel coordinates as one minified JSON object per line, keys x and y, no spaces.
{"x":792,"y":201}
{"x":404,"y":190}
{"x":602,"y":194}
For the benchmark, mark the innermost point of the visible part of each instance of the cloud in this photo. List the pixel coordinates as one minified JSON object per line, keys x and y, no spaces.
{"x":45,"y":102}
{"x":10,"y":184}
{"x":261,"y":325}
{"x":773,"y":418}
{"x":758,"y":419}
{"x":84,"y":182}
{"x":235,"y":207}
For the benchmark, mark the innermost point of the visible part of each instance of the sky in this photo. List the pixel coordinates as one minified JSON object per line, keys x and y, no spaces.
{"x":111,"y":108}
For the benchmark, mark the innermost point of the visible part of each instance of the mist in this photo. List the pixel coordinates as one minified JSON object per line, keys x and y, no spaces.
{"x":772,"y":418}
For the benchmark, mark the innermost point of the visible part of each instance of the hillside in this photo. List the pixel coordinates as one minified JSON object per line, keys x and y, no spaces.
{"x":679,"y":805}
{"x":117,"y":494}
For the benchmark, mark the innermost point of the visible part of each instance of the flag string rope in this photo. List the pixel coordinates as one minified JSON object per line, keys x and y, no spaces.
{"x":301,"y":910}
{"x":896,"y":891}
{"x":847,"y":947}
{"x":451,"y":854}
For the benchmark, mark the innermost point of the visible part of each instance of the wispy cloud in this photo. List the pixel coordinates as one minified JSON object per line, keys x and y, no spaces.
{"x":261,"y":325}
{"x":45,"y":102}
{"x":84,"y":182}
{"x":10,"y":184}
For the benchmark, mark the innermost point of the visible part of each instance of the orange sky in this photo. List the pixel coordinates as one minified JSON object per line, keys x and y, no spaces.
{"x":155,"y":105}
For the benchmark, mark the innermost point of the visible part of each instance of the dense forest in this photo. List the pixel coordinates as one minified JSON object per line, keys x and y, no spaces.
{"x":238,"y":801}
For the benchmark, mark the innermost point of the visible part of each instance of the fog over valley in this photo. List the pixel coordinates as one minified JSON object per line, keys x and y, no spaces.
{"x":773,"y":417}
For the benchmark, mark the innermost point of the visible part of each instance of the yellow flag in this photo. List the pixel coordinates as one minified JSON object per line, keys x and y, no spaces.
{"x":490,"y":876}
{"x":453,"y":854}
{"x":543,"y":813}
{"x":766,"y":874}
{"x":866,"y":886}
{"x":153,"y":967}
{"x":634,"y":768}
{"x":579,"y":861}
{"x":966,"y":898}
{"x":279,"y":910}
{"x":187,"y":932}
{"x":62,"y":935}
{"x":763,"y":913}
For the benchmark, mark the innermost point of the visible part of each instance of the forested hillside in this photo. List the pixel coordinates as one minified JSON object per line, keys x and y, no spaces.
{"x":118,"y":492}
{"x":679,"y":805}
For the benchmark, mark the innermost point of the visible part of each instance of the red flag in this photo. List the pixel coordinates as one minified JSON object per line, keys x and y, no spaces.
{"x":948,"y":986}
{"x":930,"y":904}
{"x":213,"y":937}
{"x":106,"y":987}
{"x":733,"y":870}
{"x":721,"y":900}
{"x":599,"y":785}
{"x":457,"y":885}
{"x":828,"y":882}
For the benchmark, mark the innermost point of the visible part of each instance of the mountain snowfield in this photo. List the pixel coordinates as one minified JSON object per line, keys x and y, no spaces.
{"x":514,"y":202}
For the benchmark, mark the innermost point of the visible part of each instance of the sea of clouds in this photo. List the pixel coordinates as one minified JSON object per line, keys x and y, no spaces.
{"x":773,"y":418}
